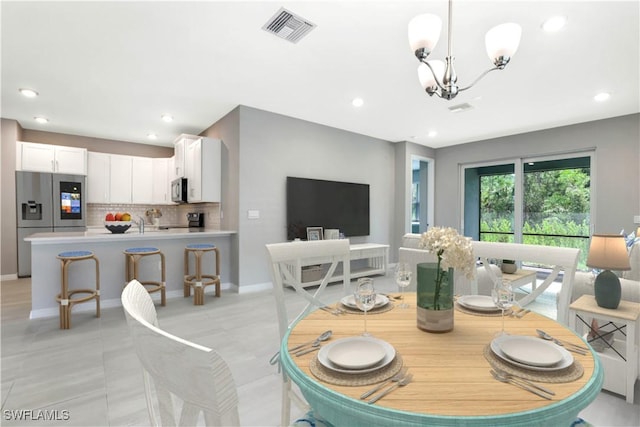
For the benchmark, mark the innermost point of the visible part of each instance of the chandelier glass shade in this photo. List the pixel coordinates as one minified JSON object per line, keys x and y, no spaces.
{"x":440,"y":78}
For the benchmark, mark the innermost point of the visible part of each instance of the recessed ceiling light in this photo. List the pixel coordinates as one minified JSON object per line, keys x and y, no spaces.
{"x":152,"y":136}
{"x":167,"y":118}
{"x":553,"y":24}
{"x":432,"y":134}
{"x":603,"y":96}
{"x":41,"y":120}
{"x":357,"y":102}
{"x":29,"y":93}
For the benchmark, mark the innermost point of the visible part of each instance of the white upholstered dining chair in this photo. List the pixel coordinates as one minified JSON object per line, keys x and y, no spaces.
{"x":180,"y":371}
{"x":286,"y":262}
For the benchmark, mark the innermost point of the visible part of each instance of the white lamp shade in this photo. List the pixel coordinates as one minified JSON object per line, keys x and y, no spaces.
{"x":608,"y":252}
{"x":503,"y":40}
{"x":426,"y":76}
{"x":424,"y":31}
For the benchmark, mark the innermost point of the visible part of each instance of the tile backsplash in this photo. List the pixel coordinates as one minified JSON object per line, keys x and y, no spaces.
{"x":171,"y":214}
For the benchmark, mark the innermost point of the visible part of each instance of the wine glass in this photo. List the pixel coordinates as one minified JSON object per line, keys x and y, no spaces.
{"x":503,"y":297}
{"x":403,"y":279}
{"x":365,"y":296}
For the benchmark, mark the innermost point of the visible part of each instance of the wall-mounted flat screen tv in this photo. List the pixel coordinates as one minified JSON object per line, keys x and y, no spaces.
{"x":327,"y":204}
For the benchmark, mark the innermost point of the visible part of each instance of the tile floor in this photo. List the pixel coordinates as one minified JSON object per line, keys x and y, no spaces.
{"x":92,"y":373}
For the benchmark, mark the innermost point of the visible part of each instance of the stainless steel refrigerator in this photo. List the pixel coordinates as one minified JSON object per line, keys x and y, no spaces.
{"x":47,"y":202}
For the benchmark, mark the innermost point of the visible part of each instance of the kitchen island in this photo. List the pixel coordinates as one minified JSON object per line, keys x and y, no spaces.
{"x":108,"y":248}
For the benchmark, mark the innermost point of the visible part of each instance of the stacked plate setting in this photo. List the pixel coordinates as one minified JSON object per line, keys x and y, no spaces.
{"x":531,"y":353}
{"x":350,"y":301}
{"x":480,"y":303}
{"x":356,"y":355}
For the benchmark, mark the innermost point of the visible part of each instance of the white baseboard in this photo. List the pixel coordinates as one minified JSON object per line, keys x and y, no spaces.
{"x":9,"y":277}
{"x":256,"y":287}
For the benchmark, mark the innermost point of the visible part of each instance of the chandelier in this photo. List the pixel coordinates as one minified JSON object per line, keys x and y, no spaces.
{"x":439,"y":78}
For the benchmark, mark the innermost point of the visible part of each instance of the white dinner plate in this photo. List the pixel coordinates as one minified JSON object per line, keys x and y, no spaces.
{"x":350,"y":301}
{"x":567,"y":358}
{"x":478,"y":302}
{"x":356,"y":354}
{"x":389,"y":355}
{"x":530,"y":350}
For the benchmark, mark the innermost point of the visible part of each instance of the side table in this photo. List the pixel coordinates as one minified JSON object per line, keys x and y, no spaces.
{"x":520,"y":278}
{"x":620,"y":359}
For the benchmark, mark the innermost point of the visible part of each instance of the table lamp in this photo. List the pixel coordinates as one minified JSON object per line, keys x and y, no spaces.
{"x":608,"y":252}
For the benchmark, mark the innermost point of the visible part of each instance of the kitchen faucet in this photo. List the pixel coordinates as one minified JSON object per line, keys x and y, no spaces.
{"x":141,"y":225}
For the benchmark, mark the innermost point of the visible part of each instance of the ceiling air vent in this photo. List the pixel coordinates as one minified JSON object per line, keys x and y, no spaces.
{"x":288,"y":26}
{"x":460,"y":107}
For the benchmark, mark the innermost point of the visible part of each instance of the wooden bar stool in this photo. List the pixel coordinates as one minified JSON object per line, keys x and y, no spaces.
{"x":65,"y":297}
{"x":199,"y":281}
{"x":132,"y":257}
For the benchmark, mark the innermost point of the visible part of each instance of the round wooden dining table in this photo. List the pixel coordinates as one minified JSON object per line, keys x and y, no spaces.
{"x":452,"y":384}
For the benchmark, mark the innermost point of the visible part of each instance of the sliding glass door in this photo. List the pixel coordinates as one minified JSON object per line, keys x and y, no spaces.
{"x":541,"y":201}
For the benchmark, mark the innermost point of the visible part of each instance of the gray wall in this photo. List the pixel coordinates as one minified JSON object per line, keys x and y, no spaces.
{"x":262,"y":148}
{"x":273,"y":147}
{"x":227,"y":130}
{"x":11,"y":131}
{"x":617,"y":173}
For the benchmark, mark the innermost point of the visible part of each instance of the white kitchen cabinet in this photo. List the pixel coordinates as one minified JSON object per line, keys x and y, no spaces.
{"x":116,"y":178}
{"x":31,"y":156}
{"x":142,"y":180}
{"x":161,"y":181}
{"x":98,"y":175}
{"x":120,"y":178}
{"x":180,"y":146}
{"x":202,"y":166}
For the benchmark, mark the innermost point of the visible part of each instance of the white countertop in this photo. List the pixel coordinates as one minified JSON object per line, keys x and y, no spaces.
{"x":103,"y":235}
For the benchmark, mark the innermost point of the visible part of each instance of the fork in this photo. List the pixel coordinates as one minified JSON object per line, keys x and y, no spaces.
{"x":523,"y":380}
{"x":397,"y":377}
{"x":522,"y":385}
{"x":403,"y":382}
{"x":334,"y":311}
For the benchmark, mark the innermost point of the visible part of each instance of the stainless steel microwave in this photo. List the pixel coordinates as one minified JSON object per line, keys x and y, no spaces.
{"x":179,"y":190}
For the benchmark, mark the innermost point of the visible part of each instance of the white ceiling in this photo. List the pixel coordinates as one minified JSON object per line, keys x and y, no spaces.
{"x":110,"y":69}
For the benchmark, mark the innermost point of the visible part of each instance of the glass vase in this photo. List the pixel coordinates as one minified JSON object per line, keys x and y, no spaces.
{"x":435,"y":298}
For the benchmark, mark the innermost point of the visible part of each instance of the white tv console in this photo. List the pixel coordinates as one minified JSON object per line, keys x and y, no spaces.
{"x":375,"y":254}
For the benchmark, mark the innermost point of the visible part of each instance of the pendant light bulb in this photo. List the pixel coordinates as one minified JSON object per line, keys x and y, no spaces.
{"x":502,"y":43}
{"x":424,"y":33}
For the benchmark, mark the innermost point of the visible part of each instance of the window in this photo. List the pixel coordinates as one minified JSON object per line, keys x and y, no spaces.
{"x":557,"y":200}
{"x":533,"y":201}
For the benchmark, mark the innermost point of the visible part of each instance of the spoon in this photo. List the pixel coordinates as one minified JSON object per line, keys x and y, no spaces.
{"x":573,"y":347}
{"x":315,"y":346}
{"x":323,"y":337}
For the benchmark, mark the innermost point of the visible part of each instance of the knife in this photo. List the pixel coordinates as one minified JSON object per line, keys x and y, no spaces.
{"x":308,"y":350}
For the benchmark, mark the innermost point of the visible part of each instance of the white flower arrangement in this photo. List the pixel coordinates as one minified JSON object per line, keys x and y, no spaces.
{"x":452,"y":249}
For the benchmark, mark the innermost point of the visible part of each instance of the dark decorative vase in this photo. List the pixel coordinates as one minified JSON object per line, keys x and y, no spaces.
{"x":435,"y":298}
